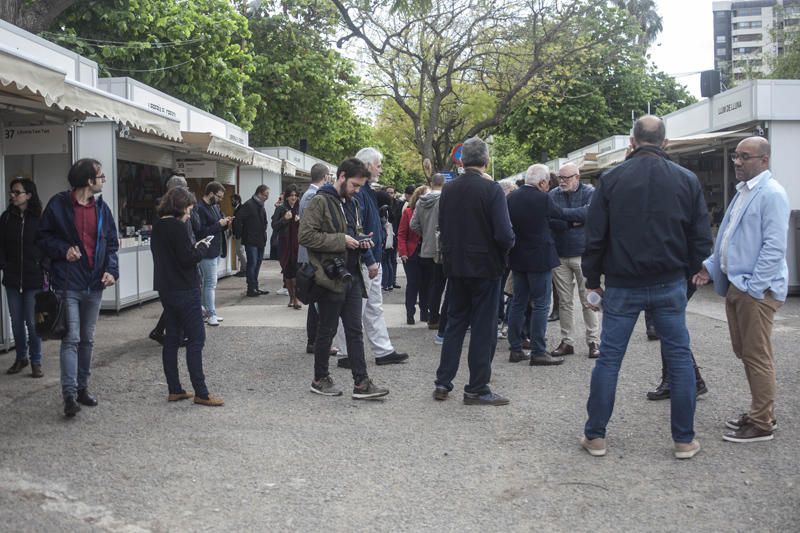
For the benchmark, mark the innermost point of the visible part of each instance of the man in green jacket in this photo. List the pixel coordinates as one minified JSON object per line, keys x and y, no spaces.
{"x":331,"y":231}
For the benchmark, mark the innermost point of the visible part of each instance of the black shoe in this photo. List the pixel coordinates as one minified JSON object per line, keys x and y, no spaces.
{"x":545,"y":359}
{"x":310,"y":348}
{"x":488,"y":398}
{"x":661,"y":392}
{"x":395,"y":286}
{"x":748,"y":433}
{"x":157,"y":336}
{"x":241,"y":274}
{"x":17,"y":367}
{"x":84,"y":398}
{"x":253,"y":293}
{"x":440,"y":393}
{"x":184,"y":343}
{"x":553,"y":317}
{"x":410,"y":321}
{"x":344,"y":362}
{"x":71,"y":407}
{"x":743,"y":420}
{"x":516,"y":357}
{"x":391,"y":359}
{"x":701,"y":387}
{"x":652,"y":335}
{"x":262,"y":291}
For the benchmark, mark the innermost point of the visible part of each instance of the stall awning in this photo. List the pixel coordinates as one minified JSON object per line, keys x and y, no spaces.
{"x":42,"y":85}
{"x":211,"y":144}
{"x":266,"y":162}
{"x":289,"y":169}
{"x":700,"y":141}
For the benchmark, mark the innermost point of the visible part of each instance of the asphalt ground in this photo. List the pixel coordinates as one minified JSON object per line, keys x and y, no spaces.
{"x":279,"y":458}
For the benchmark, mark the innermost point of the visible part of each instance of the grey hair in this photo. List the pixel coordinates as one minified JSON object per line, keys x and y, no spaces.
{"x":369,"y":155}
{"x":176,"y":180}
{"x":437,"y":180}
{"x":475,"y":152}
{"x":537,"y":174}
{"x":508,"y":186}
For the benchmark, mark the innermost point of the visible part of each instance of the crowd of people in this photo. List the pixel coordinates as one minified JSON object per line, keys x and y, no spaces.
{"x":478,"y":257}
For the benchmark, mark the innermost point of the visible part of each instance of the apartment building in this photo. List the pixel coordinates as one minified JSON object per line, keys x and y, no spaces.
{"x":749,"y":34}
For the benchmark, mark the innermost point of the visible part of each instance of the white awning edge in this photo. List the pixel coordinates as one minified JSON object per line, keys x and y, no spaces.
{"x":28,"y":75}
{"x":91,"y":101}
{"x":266,"y":162}
{"x":289,"y":169}
{"x":210,"y":143}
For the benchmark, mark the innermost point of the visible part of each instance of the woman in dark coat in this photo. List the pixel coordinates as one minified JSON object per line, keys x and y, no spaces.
{"x":286,"y":222}
{"x":20,"y":260}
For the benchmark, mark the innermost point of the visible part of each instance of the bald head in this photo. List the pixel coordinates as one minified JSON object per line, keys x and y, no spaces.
{"x":569,"y":177}
{"x":649,"y":129}
{"x":751,"y":158}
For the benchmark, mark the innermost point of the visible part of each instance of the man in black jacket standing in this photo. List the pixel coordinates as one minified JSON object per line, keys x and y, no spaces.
{"x":251,"y":226}
{"x":210,"y":222}
{"x":647,"y":229}
{"x":476,"y":235}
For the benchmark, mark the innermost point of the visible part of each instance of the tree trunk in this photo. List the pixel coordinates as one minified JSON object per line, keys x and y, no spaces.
{"x":34,"y":17}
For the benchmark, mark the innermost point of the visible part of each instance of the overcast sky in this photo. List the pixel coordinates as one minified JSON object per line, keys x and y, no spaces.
{"x":686,"y":44}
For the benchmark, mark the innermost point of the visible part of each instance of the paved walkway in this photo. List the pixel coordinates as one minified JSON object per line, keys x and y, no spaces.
{"x":278,"y":458}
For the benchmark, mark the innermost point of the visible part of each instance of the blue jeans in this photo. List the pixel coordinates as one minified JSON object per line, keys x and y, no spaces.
{"x":21,"y":307}
{"x":471,"y":302}
{"x":255,"y":256}
{"x":183,"y":317}
{"x":533,"y":287}
{"x":621,"y":308}
{"x":387,"y":281}
{"x":208,"y":279}
{"x":83,"y":308}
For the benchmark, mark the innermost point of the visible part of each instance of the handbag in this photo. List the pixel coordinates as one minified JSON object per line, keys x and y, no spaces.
{"x":51,"y":315}
{"x":305,"y":285}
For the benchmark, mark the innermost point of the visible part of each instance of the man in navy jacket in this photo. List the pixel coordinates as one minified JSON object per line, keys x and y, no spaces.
{"x":79,"y":236}
{"x":531,"y":261}
{"x":475,"y":234}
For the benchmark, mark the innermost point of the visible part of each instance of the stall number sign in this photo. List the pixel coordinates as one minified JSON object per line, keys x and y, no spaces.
{"x":198,"y":169}
{"x":31,"y":140}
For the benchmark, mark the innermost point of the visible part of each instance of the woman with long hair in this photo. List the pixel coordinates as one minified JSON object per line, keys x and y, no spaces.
{"x":286,"y":222}
{"x":408,"y":242}
{"x":176,"y":279}
{"x":20,"y":260}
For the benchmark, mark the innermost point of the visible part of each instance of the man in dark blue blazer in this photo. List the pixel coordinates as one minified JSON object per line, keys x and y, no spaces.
{"x":475,"y":236}
{"x":531,"y":261}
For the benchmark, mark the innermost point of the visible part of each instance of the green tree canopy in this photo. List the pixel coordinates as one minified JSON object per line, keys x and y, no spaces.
{"x":198,"y":51}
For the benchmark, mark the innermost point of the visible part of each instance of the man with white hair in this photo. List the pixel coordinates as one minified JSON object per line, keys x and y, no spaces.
{"x":531,"y":261}
{"x":374,"y":324}
{"x":570,"y":242}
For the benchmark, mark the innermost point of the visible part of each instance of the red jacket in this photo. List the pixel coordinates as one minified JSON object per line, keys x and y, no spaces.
{"x":407,"y":238}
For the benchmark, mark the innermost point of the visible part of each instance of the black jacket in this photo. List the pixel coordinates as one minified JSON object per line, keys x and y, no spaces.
{"x":647,"y":223}
{"x":250,"y":224}
{"x":207,"y":223}
{"x":531,"y":210}
{"x":474,"y":229}
{"x":175,"y":257}
{"x":20,"y":257}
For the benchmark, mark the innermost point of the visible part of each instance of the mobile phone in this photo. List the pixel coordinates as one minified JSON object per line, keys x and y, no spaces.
{"x":363,"y":238}
{"x":207,"y":240}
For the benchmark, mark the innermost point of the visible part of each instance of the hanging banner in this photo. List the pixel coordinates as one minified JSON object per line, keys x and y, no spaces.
{"x":197,"y":169}
{"x":31,"y":140}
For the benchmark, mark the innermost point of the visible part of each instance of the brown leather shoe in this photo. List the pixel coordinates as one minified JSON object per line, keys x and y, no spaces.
{"x":594,"y":350}
{"x":562,"y":350}
{"x":36,"y":371}
{"x":212,"y":401}
{"x":180,"y":396}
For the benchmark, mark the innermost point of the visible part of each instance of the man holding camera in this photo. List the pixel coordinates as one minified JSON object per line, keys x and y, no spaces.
{"x":331,"y":231}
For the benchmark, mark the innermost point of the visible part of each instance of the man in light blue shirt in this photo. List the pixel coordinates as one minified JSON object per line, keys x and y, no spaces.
{"x":749,"y":268}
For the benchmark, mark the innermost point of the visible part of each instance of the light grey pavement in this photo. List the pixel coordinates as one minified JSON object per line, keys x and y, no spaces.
{"x":278,"y":458}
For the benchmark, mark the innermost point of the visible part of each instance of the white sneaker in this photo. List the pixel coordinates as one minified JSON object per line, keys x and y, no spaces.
{"x":213,"y":320}
{"x":438,"y":340}
{"x":219,"y":318}
{"x":283,"y":291}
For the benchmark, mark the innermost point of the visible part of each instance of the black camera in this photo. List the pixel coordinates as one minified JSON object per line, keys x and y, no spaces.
{"x":335,"y":269}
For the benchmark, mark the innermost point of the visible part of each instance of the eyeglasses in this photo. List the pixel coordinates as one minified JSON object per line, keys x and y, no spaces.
{"x":744,"y":157}
{"x":12,"y":192}
{"x":100,"y":177}
{"x":565,"y":178}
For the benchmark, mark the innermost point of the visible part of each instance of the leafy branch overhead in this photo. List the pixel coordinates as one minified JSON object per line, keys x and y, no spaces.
{"x":431,"y":61}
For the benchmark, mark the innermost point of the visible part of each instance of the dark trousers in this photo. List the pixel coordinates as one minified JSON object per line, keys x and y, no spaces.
{"x":312,"y":321}
{"x":434,"y":274}
{"x":387,"y":278}
{"x":443,"y":315}
{"x":183,"y":316}
{"x":392,"y":253}
{"x":416,"y":287}
{"x":347,"y":306}
{"x":472,"y":302}
{"x":648,"y":320}
{"x":255,"y":255}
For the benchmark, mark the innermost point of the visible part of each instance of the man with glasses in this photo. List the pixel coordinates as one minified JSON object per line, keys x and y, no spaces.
{"x":748,"y":267}
{"x":210,"y":222}
{"x":570,"y":242}
{"x":78,"y":234}
{"x":646,"y":229}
